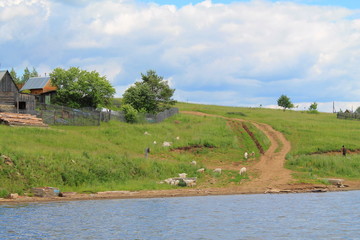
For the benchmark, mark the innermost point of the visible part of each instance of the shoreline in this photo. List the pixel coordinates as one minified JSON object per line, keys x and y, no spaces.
{"x":193,"y":192}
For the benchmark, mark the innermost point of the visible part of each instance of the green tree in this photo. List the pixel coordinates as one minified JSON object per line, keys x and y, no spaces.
{"x":313,"y":107}
{"x":14,"y":76}
{"x":152,"y":94}
{"x":34,"y":73}
{"x":285,"y":102}
{"x":27,"y":74}
{"x":79,"y":88}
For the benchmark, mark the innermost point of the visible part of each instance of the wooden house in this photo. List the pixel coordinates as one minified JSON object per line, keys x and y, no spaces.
{"x":41,"y":88}
{"x":10,"y":98}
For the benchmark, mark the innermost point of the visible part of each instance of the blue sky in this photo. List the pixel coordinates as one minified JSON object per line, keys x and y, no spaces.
{"x":235,"y":53}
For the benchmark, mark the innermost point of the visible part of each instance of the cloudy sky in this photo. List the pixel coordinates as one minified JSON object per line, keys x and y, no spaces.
{"x":223,"y":52}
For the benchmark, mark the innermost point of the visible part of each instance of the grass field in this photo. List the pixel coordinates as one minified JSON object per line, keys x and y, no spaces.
{"x":308,"y":134}
{"x":111,"y":156}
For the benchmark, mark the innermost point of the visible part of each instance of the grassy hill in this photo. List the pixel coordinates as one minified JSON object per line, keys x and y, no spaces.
{"x":111,"y":157}
{"x":308,"y":133}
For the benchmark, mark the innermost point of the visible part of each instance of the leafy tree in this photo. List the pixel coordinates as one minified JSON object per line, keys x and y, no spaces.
{"x":285,"y":102}
{"x":14,"y":76}
{"x":79,"y":88}
{"x":313,"y":107}
{"x":152,"y":94}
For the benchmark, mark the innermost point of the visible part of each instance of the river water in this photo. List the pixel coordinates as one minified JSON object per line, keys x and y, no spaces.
{"x":285,"y":216}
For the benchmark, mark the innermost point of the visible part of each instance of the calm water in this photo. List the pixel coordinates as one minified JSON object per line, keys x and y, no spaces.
{"x":286,"y":216}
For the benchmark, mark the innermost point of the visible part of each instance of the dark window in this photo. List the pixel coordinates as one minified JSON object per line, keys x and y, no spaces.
{"x":22,"y":105}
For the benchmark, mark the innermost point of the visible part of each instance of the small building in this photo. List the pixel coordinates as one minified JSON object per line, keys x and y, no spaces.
{"x":10,"y":98}
{"x":41,"y":88}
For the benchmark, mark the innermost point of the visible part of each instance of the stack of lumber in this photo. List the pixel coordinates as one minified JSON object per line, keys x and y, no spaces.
{"x":17,"y":119}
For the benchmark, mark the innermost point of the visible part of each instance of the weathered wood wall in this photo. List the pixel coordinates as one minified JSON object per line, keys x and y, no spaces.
{"x":10,"y":96}
{"x":7,"y":84}
{"x":29,"y":99}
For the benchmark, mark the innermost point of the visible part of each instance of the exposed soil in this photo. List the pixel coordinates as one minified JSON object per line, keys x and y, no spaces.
{"x":258,"y":145}
{"x":192,"y":148}
{"x":271,"y":176}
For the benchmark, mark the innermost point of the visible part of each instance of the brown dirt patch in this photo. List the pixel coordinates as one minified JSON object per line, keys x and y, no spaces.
{"x":191,"y":148}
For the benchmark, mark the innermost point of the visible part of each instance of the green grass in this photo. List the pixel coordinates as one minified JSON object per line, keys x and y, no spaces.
{"x":111,"y":156}
{"x":308,"y":133}
{"x":327,"y":166}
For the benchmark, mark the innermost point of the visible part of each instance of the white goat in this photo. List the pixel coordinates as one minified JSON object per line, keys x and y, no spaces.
{"x":242,"y":170}
{"x":193,"y":163}
{"x":182,"y":175}
{"x":166,"y":144}
{"x":246,"y":155}
{"x":217,"y":170}
{"x":168,"y":181}
{"x":190,"y":182}
{"x":201,"y":170}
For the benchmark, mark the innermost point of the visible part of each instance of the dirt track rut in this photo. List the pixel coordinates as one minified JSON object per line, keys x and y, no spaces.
{"x":269,"y":169}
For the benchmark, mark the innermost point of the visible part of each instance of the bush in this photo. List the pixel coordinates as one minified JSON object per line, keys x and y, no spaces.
{"x":130,"y":113}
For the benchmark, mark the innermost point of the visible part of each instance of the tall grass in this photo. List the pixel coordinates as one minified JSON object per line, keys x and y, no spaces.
{"x":327,"y":166}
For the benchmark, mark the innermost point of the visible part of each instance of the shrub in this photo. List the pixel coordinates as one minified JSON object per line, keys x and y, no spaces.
{"x":130,"y":113}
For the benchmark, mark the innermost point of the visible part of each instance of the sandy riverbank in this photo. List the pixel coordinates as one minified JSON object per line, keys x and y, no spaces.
{"x":188,"y":192}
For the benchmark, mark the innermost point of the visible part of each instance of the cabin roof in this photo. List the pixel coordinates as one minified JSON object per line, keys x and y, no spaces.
{"x":35,"y":83}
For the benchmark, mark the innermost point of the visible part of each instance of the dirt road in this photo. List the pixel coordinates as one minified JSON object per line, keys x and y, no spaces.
{"x":270,"y":170}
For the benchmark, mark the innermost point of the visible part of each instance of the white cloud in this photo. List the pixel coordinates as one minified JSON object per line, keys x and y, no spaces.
{"x":106,"y":67}
{"x":243,"y":53}
{"x":22,"y":19}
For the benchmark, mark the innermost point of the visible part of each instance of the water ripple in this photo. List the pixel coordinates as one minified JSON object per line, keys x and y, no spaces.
{"x":288,"y":216}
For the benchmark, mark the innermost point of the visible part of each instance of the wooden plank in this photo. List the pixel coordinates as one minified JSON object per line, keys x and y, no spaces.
{"x":16,"y":119}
